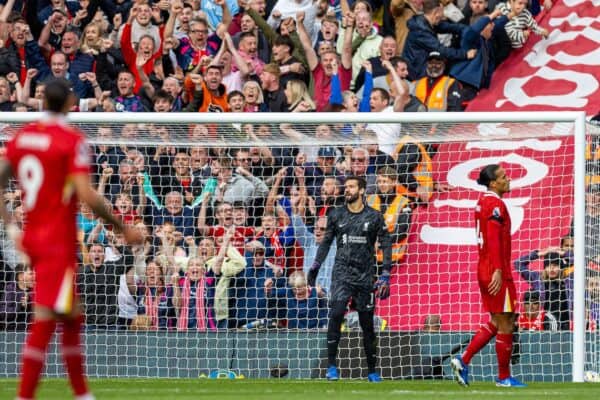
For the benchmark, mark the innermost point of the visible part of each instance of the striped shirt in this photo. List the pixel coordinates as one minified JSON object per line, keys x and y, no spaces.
{"x":517,"y":25}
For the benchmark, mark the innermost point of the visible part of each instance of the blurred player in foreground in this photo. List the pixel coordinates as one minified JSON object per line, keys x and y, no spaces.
{"x":494,"y":274}
{"x":50,"y":161}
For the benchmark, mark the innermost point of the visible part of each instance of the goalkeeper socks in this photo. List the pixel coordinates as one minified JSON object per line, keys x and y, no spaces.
{"x":481,"y":338}
{"x":72,"y":356}
{"x":504,"y":342}
{"x":369,"y":339}
{"x":332,"y":348}
{"x":34,"y":356}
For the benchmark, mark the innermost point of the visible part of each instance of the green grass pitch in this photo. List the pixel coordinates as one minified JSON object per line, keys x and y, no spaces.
{"x":166,"y":389}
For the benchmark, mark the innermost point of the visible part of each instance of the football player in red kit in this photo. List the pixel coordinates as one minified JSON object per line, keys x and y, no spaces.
{"x":494,"y":275}
{"x":49,"y":160}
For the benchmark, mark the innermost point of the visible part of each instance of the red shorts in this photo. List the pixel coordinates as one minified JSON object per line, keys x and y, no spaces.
{"x":504,"y":302}
{"x":54,"y":284}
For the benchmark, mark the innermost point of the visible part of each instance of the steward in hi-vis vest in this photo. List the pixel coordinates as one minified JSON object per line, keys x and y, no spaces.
{"x":396,"y":210}
{"x":415,"y":169}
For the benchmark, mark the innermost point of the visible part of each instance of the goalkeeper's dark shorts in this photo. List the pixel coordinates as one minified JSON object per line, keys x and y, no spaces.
{"x":363,"y":298}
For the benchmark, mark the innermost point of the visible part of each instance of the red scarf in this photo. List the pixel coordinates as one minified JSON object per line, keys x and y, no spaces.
{"x":151,"y":304}
{"x":182,"y":322}
{"x":532,"y":324}
{"x":278,"y":258}
{"x":23,"y":69}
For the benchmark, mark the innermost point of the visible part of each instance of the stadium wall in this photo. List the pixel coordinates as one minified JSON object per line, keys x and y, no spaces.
{"x":542,"y":356}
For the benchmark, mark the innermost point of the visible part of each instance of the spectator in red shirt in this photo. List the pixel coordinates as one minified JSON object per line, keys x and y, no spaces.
{"x":329,"y":64}
{"x":533,"y":317}
{"x":224,"y":216}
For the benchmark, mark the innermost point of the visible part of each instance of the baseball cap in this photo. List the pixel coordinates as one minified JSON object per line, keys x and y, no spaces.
{"x":436,"y":55}
{"x":327,"y":152}
{"x":554,"y":258}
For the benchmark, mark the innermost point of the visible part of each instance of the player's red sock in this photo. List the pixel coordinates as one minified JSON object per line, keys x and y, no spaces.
{"x":72,"y":355}
{"x":481,"y":338}
{"x":34,"y":356}
{"x":504,"y":342}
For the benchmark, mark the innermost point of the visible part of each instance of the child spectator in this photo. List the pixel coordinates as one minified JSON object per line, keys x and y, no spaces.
{"x":533,"y":317}
{"x":553,"y":284}
{"x":520,"y":22}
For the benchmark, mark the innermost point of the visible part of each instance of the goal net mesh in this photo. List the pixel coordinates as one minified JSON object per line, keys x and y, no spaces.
{"x":169,"y":308}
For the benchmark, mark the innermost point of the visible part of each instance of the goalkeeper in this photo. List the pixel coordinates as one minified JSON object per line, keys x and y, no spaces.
{"x":356,"y":228}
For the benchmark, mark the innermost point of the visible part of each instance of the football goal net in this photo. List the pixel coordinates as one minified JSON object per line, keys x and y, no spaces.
{"x":233,"y":209}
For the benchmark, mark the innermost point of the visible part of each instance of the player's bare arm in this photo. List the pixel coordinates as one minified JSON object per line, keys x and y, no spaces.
{"x":495,"y":283}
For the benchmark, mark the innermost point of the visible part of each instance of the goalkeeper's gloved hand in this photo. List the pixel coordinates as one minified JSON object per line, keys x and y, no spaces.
{"x":382,"y":286}
{"x":312,"y":273}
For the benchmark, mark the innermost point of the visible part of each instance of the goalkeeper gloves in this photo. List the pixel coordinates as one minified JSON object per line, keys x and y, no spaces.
{"x":312,"y":273}
{"x":382,"y":286}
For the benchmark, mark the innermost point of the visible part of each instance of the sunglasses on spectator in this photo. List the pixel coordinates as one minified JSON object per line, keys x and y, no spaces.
{"x":321,"y":228}
{"x":356,"y":159}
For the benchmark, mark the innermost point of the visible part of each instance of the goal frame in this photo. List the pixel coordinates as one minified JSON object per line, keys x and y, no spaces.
{"x":578,"y":119}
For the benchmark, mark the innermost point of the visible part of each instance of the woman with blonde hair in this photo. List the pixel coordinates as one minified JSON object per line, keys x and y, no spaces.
{"x":91,"y":39}
{"x":189,"y":296}
{"x":298,"y":97}
{"x":255,"y":101}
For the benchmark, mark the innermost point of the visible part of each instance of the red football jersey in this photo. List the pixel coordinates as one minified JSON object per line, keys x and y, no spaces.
{"x":43,"y":155}
{"x":493,"y":237}
{"x":242,"y":233}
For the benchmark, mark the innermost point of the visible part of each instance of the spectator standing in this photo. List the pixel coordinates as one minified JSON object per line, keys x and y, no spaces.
{"x":329,"y":63}
{"x":554,"y":285}
{"x":310,"y":242}
{"x":403,"y":11}
{"x":155,"y":307}
{"x":274,"y":95}
{"x":305,"y":306}
{"x":252,"y":303}
{"x":476,"y":74}
{"x":422,"y":39}
{"x":438,"y":91}
{"x":369,"y":41}
{"x":396,"y":211}
{"x":221,"y":271}
{"x":16,"y":303}
{"x":98,"y":283}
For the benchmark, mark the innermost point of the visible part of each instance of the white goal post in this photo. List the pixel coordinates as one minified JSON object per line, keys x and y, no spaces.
{"x":432,"y":127}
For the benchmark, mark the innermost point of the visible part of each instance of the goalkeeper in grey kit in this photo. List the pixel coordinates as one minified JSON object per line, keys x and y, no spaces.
{"x":356,"y":228}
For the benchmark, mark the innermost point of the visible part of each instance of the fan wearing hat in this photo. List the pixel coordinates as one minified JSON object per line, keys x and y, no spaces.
{"x":553,"y":283}
{"x":437,"y":90}
{"x":316,"y":172}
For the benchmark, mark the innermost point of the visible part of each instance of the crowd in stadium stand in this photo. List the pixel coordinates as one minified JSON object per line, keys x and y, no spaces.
{"x":231,"y":230}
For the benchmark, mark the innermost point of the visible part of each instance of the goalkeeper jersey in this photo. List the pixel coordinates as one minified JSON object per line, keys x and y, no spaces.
{"x":356,"y":235}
